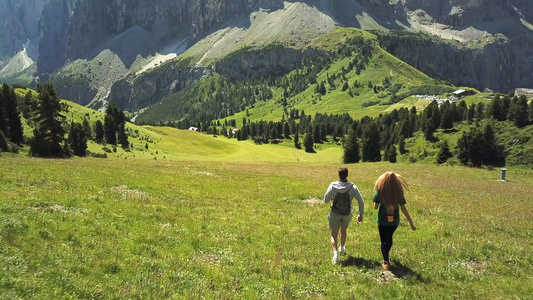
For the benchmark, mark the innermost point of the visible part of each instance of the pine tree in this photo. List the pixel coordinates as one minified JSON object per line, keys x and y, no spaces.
{"x":286,"y":131}
{"x":432,"y":111}
{"x":3,"y":143}
{"x":351,"y":148}
{"x":297,"y":141}
{"x":309,"y":143}
{"x":38,"y":144}
{"x":386,"y":152}
{"x":518,"y":112}
{"x":273,"y":132}
{"x":123,"y":137}
{"x":87,"y":128}
{"x":430,"y":120}
{"x":385,"y":138}
{"x":457,"y":113}
{"x":392,"y":154}
{"x":446,"y":121}
{"x":323,"y":132}
{"x":322,"y":88}
{"x":401,"y":144}
{"x":99,"y":132}
{"x":13,"y":115}
{"x":403,"y":127}
{"x":345,"y":86}
{"x":506,"y":104}
{"x":370,"y":143}
{"x":77,"y":139}
{"x":49,"y":131}
{"x":337,"y":132}
{"x":110,"y":130}
{"x":461,"y":111}
{"x":116,"y":113}
{"x":480,"y":111}
{"x":444,"y":153}
{"x":492,"y":152}
{"x":476,"y":144}
{"x":462,"y":147}
{"x":316,"y":132}
{"x":3,"y":115}
{"x":428,"y":127}
{"x":496,"y":110}
{"x":470,"y":113}
{"x":531,"y":112}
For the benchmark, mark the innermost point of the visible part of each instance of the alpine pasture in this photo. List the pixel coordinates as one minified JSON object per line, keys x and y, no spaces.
{"x":202,"y":217}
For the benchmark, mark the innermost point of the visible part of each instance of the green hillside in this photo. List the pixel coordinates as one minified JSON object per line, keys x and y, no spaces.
{"x":359,"y":77}
{"x":170,"y":144}
{"x":198,"y":216}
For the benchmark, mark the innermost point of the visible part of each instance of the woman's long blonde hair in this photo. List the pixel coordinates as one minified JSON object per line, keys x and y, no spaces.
{"x":390,"y":190}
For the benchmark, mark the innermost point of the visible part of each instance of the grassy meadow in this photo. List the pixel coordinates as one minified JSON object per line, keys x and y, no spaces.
{"x":212,"y":218}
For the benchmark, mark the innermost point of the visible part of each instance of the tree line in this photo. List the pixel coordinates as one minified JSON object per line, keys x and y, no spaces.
{"x":367,"y":140}
{"x":383,"y":138}
{"x":11,"y":131}
{"x":478,"y":146}
{"x":53,"y":136}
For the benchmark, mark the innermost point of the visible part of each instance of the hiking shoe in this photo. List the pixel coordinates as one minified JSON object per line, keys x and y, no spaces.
{"x":386,"y":266}
{"x":343,"y":251}
{"x":335,"y":260}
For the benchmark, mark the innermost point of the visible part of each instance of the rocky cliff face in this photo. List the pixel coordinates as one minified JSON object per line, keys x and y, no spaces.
{"x":456,"y":13}
{"x":496,"y":43}
{"x":497,"y":66}
{"x":136,"y":92}
{"x":19,"y":26}
{"x":63,"y":31}
{"x":71,"y":28}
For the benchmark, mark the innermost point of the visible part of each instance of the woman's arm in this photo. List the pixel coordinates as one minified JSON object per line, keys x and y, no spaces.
{"x":376,"y":205}
{"x":408,"y":217}
{"x":360,"y":203}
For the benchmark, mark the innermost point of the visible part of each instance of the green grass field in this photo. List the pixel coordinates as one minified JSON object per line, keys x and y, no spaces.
{"x":212,"y":218}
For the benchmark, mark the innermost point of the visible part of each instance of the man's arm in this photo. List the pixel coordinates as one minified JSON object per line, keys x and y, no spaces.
{"x":360,"y":202}
{"x":328,"y":194}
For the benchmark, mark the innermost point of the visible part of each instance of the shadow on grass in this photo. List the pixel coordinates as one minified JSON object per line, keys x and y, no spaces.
{"x":360,"y":262}
{"x":397,"y":269}
{"x":400,"y":271}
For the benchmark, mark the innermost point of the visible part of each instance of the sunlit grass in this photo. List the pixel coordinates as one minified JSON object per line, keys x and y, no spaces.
{"x":141,"y":228}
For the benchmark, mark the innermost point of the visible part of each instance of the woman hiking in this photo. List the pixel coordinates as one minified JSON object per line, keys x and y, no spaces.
{"x":389,"y":199}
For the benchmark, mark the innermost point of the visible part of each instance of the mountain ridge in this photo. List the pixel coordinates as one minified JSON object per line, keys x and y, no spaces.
{"x":497,"y":34}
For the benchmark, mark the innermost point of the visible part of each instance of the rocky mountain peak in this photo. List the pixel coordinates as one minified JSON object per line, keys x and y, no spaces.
{"x":132,"y":36}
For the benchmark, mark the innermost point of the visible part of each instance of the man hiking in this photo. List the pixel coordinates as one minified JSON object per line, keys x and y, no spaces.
{"x":341,"y":193}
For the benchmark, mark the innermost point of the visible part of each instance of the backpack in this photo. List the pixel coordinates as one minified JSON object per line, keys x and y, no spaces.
{"x":341,"y":203}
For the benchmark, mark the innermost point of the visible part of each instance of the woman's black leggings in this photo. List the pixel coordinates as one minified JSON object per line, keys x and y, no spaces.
{"x":385,"y":234}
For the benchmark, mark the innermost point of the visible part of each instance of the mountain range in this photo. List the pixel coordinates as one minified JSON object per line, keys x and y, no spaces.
{"x":136,"y":53}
